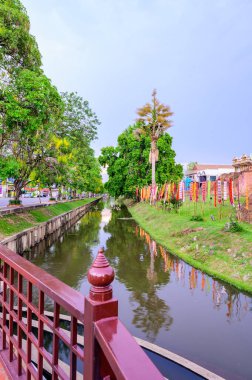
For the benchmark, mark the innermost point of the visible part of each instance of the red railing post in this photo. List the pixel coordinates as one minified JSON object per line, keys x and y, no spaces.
{"x":98,"y":305}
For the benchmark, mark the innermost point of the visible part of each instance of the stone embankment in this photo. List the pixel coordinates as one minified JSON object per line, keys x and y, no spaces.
{"x":28,"y":238}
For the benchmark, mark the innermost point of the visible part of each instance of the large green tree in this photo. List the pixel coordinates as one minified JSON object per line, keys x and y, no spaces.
{"x":44,"y":137}
{"x":31,"y":108}
{"x":18,"y":48}
{"x":154,"y":119}
{"x":79,"y":128}
{"x":128,"y":164}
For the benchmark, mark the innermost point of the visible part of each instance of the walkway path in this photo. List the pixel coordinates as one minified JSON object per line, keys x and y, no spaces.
{"x":26,"y":201}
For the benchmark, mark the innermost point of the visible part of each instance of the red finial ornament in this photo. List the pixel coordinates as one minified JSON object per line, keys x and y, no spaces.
{"x":100,"y":276}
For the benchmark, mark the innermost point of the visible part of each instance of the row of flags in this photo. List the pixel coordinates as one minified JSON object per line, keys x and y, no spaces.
{"x":218,"y":191}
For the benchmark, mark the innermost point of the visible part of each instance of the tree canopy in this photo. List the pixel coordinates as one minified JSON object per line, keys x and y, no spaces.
{"x":128,"y":163}
{"x":44,"y":136}
{"x":153,"y":120}
{"x":18,"y":48}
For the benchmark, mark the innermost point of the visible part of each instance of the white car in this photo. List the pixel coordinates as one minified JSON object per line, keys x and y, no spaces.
{"x":27,"y":195}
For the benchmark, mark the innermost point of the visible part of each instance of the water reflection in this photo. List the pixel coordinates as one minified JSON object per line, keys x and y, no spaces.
{"x":142,"y":275}
{"x":68,"y":256}
{"x":235,"y":303}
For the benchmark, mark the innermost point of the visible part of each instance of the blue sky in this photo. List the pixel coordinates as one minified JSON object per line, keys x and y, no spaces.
{"x":196,"y":53}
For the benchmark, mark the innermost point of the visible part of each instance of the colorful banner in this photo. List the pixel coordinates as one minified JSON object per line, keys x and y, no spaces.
{"x":209,"y":190}
{"x":231,"y":192}
{"x":225,"y":190}
{"x":219,"y":191}
{"x":215,"y":194}
{"x":203,"y":189}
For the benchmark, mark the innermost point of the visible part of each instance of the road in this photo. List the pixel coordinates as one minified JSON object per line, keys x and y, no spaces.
{"x":25,"y":201}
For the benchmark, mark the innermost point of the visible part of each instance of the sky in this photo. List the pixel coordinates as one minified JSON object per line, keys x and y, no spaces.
{"x":196,"y":53}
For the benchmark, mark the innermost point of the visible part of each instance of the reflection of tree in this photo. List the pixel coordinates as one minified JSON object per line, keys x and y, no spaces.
{"x":70,"y":257}
{"x":141,"y":270}
{"x":151,"y":314}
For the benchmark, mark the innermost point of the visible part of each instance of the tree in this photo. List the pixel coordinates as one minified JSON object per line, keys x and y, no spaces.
{"x":17,"y":47}
{"x":79,"y":129}
{"x":79,"y":122}
{"x":154,"y":121}
{"x":191,"y":165}
{"x":31,"y":108}
{"x":128,"y":165}
{"x":72,"y":162}
{"x":39,"y":129}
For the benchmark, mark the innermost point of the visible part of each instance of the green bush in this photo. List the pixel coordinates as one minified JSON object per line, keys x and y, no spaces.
{"x":197,"y":218}
{"x":176,"y":203}
{"x":233,"y":226}
{"x":15,"y":202}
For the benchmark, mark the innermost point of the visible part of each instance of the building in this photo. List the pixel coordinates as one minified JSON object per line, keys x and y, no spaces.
{"x":6,"y":188}
{"x":243,"y":164}
{"x":207,"y":172}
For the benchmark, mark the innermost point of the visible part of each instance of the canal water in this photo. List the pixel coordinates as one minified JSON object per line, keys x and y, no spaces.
{"x":161,"y":299}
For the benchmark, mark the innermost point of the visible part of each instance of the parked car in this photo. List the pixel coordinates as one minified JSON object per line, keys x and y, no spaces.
{"x":44,"y":193}
{"x":28,"y":195}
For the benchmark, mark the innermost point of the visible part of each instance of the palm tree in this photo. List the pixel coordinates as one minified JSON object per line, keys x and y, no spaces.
{"x":154,"y":120}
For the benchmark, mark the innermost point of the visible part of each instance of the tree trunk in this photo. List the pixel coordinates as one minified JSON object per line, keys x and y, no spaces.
{"x":50,"y":192}
{"x":153,"y":163}
{"x":18,"y":185}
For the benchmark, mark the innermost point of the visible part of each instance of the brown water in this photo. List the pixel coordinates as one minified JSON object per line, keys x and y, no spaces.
{"x":161,"y":299}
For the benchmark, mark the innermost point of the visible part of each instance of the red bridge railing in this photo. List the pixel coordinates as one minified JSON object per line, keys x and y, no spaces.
{"x":109,"y":352}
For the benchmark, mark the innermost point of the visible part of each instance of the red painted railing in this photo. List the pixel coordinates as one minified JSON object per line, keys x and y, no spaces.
{"x":109,"y":353}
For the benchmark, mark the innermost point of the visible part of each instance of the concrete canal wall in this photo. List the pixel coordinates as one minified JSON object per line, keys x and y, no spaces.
{"x":27,"y":239}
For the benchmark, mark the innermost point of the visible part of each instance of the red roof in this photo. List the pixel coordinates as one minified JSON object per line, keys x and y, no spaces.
{"x":211,"y":166}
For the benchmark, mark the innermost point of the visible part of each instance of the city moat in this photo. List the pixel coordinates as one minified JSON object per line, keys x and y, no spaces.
{"x":161,"y":299}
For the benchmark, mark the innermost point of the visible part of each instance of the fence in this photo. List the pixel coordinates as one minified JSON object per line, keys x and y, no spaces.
{"x":109,"y":352}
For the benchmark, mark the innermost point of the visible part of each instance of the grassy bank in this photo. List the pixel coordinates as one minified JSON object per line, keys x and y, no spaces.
{"x":203,"y":244}
{"x":14,"y":223}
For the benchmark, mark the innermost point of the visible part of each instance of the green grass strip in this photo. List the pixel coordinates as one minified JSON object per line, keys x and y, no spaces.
{"x":14,"y":223}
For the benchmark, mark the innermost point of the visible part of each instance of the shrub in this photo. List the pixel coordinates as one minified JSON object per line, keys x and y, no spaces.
{"x":176,"y":203}
{"x":233,"y":226}
{"x":197,"y":218}
{"x":15,"y":202}
{"x":52,"y":199}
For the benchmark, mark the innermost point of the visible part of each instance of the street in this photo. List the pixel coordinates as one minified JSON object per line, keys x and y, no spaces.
{"x":25,"y":201}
